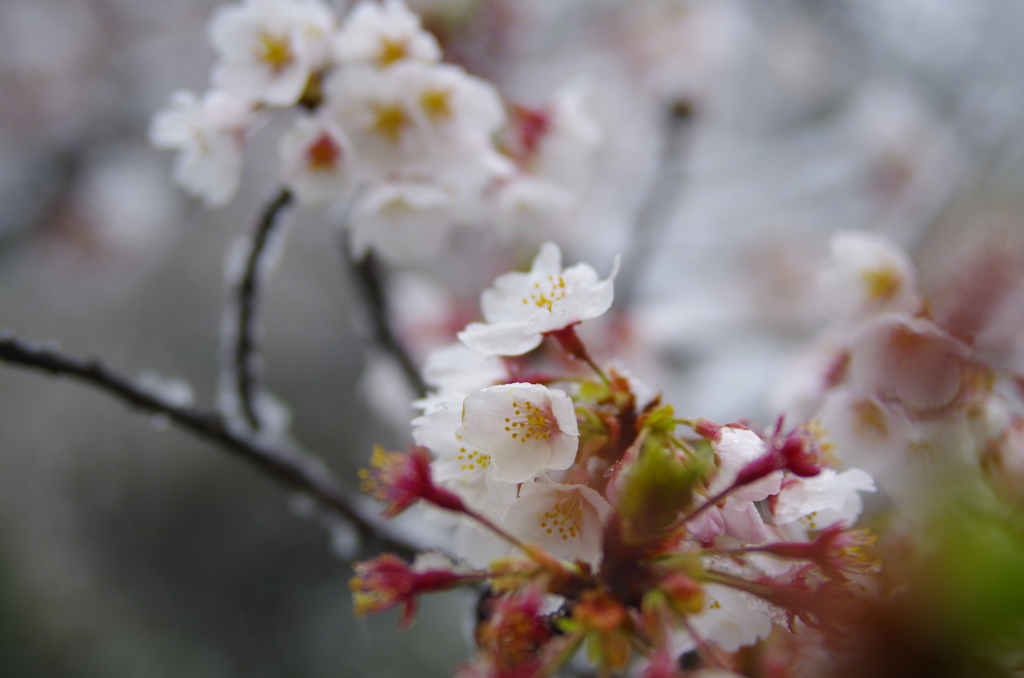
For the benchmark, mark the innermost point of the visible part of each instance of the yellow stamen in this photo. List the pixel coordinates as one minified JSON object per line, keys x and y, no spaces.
{"x":390,"y":122}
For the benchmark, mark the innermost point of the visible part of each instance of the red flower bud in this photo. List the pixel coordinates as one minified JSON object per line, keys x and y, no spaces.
{"x":399,"y":480}
{"x":386,"y":581}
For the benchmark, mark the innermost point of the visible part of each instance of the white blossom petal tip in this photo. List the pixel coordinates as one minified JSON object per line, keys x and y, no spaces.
{"x":521,"y":307}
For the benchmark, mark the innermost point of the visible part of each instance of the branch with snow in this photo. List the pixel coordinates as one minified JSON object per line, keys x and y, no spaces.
{"x":286,"y":465}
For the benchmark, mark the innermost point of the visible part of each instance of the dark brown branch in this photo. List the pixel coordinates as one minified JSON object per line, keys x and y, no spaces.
{"x":288,"y":468}
{"x":247,"y":298}
{"x":370,"y":279}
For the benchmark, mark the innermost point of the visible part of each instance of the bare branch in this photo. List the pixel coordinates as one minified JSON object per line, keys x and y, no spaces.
{"x":288,"y":467}
{"x":245,"y":358}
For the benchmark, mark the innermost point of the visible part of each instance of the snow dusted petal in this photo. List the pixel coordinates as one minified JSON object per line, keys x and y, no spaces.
{"x":566,"y":520}
{"x":209,"y":135}
{"x":522,"y":306}
{"x":382,"y":34}
{"x":401,"y":221}
{"x":524,"y":428}
{"x":823,"y":500}
{"x":316,"y":160}
{"x":868,"y":276}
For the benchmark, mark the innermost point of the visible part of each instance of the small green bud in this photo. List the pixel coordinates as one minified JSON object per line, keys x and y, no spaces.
{"x":657,"y":488}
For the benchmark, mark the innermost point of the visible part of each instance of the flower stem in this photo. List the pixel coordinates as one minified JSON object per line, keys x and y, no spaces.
{"x":573,"y":345}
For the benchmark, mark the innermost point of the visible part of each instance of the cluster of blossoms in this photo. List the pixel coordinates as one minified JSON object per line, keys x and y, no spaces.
{"x":904,"y":394}
{"x":602,"y":520}
{"x":408,"y":145}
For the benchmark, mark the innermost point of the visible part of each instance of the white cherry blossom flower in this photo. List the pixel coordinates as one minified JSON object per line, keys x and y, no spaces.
{"x":402,"y":221}
{"x":524,"y":429}
{"x":374,"y":110}
{"x":316,"y":160}
{"x":521,"y":307}
{"x":450,"y":103}
{"x":822,"y":501}
{"x":566,"y":520}
{"x":458,"y":368}
{"x":460,"y":466}
{"x":731,"y":618}
{"x":867,"y":276}
{"x":269,"y":48}
{"x":382,"y":34}
{"x":209,"y":135}
{"x":865,"y":433}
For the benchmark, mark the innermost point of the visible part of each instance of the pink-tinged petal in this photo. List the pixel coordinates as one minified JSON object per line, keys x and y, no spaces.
{"x":566,"y":520}
{"x":743,"y":522}
{"x":909,"y":359}
{"x":706,"y":526}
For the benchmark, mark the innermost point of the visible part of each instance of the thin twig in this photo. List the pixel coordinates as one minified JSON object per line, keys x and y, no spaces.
{"x":661,"y":198}
{"x":284,"y":466}
{"x":246,"y":376}
{"x":369,"y":277}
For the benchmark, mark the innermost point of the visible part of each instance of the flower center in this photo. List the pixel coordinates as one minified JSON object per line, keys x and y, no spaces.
{"x":436,"y":104}
{"x":392,"y":51}
{"x":274,"y":50}
{"x":882,"y":283}
{"x":546,"y":293}
{"x":563,"y":518}
{"x":390,"y":121}
{"x":323,"y":154}
{"x":529,"y":422}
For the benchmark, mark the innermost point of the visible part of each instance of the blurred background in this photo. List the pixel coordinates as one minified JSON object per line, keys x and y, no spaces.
{"x":130,"y":550}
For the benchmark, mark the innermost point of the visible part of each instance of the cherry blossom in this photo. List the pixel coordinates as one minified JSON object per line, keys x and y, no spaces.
{"x":825,"y":500}
{"x":209,"y":135}
{"x":269,"y":48}
{"x":910,"y":360}
{"x":382,"y":34}
{"x":402,"y":220}
{"x":521,"y":307}
{"x":567,"y":520}
{"x":522,"y":428}
{"x":316,"y":160}
{"x":868,"y":276}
